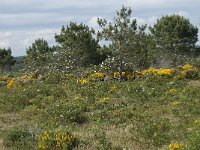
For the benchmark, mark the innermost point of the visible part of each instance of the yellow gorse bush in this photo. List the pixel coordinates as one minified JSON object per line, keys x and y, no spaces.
{"x":164,"y":71}
{"x":187,"y":66}
{"x":103,"y":99}
{"x":172,"y":90}
{"x":20,"y":81}
{"x":188,"y":71}
{"x":176,"y":146}
{"x":197,"y":121}
{"x":4,"y":80}
{"x":10,"y":84}
{"x":97,"y":75}
{"x":55,"y":139}
{"x":83,"y":81}
{"x":161,"y":71}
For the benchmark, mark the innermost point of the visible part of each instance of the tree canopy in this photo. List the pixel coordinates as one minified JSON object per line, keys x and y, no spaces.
{"x":78,"y":46}
{"x":6,"y":59}
{"x":175,"y":35}
{"x":37,"y":54}
{"x":130,"y":43}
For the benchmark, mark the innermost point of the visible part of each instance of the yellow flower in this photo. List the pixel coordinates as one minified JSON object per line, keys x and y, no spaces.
{"x":116,"y":74}
{"x":164,"y":71}
{"x":188,"y":66}
{"x":46,"y":134}
{"x":10,"y":84}
{"x":41,"y":146}
{"x":197,"y":121}
{"x":103,"y":99}
{"x":83,"y":81}
{"x":172,"y":90}
{"x":113,"y":88}
{"x":97,"y":75}
{"x":151,"y":70}
{"x":175,"y":103}
{"x":176,"y":146}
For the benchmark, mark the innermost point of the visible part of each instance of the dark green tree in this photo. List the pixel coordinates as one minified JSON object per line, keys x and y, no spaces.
{"x":130,"y":44}
{"x":118,"y":33}
{"x":143,"y":49}
{"x":38,"y":54}
{"x":6,"y":59}
{"x":175,"y":36}
{"x":77,"y":46}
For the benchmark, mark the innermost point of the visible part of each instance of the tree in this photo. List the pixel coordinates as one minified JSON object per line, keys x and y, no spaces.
{"x":38,"y":54}
{"x":130,"y":44}
{"x":118,"y":33}
{"x":6,"y":59}
{"x":175,"y":36}
{"x":143,"y":49}
{"x":77,"y":47}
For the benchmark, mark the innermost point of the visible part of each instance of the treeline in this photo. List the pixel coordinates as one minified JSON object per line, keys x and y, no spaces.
{"x":171,"y":41}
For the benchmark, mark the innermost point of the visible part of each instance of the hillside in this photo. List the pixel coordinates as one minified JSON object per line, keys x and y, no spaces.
{"x":66,"y":112}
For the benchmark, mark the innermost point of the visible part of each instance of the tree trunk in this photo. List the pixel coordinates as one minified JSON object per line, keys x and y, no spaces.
{"x":120,"y":70}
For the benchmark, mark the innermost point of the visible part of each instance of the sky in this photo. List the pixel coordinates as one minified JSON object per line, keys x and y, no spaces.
{"x":23,"y":21}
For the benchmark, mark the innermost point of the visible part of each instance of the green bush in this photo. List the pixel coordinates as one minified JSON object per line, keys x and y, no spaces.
{"x":19,"y":138}
{"x":62,"y":114}
{"x":194,"y":141}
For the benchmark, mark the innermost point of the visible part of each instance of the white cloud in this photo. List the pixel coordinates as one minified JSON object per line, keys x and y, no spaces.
{"x":21,"y":39}
{"x":4,"y":43}
{"x":149,"y":21}
{"x":93,"y":22}
{"x":22,"y":21}
{"x":5,"y":34}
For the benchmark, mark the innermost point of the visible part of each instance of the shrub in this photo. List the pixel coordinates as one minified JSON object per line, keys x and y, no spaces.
{"x":61,"y":113}
{"x":20,"y":138}
{"x":56,"y":139}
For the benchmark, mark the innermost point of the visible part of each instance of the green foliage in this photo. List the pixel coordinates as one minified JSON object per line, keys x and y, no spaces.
{"x":118,"y":32}
{"x":131,"y":46}
{"x":77,"y":47}
{"x":61,"y":113}
{"x":38,"y":54}
{"x":175,"y":36}
{"x":126,"y":111}
{"x":6,"y":59}
{"x":155,"y":131}
{"x":104,"y":144}
{"x":19,"y":138}
{"x":194,"y":139}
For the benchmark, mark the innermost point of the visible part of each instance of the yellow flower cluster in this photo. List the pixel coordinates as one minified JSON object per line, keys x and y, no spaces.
{"x":172,"y":91}
{"x":54,"y":140}
{"x":161,"y":71}
{"x":20,"y":81}
{"x":103,"y":99}
{"x":187,"y":66}
{"x":126,"y":74}
{"x":197,"y":121}
{"x":97,"y":75}
{"x":83,"y":81}
{"x":4,"y":79}
{"x":176,"y":146}
{"x":165,"y":71}
{"x":187,"y":71}
{"x":10,"y":84}
{"x":175,"y":103}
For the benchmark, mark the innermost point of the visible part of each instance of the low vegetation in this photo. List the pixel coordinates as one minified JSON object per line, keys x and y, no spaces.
{"x":158,"y":108}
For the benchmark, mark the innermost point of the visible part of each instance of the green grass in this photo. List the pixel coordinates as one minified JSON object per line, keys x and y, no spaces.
{"x":147,"y":113}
